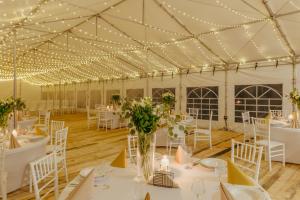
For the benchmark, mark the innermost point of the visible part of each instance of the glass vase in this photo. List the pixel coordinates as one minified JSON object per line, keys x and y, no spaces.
{"x":145,"y":157}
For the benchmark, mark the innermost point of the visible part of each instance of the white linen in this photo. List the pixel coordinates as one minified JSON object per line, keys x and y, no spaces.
{"x":17,"y":162}
{"x":115,"y":116}
{"x":120,"y":184}
{"x":291,"y":138}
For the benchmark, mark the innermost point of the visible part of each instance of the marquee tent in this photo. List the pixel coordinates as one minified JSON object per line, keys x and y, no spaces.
{"x":82,"y":52}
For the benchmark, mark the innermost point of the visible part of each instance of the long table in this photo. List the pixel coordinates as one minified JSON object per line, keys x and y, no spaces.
{"x":17,"y":161}
{"x":291,"y":138}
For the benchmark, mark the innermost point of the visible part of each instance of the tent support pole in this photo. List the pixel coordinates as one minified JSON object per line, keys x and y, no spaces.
{"x":294,"y":79}
{"x":123,"y":88}
{"x":147,"y":86}
{"x":180,"y":91}
{"x":15,"y":74}
{"x":226,"y":99}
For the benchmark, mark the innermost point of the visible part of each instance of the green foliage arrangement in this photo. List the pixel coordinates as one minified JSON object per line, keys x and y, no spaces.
{"x":168,"y":99}
{"x":295,"y":97}
{"x":6,"y":108}
{"x":116,"y":99}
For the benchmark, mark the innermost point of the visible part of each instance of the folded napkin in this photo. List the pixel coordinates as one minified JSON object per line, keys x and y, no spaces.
{"x":147,"y":197}
{"x":236,"y":176}
{"x":181,"y":155}
{"x":39,"y":131}
{"x":225,"y":194}
{"x":120,"y":161}
{"x":13,"y":142}
{"x":237,"y":192}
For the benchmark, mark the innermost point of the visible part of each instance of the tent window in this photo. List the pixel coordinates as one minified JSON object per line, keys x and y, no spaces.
{"x":81,"y":99}
{"x":205,"y":99}
{"x":134,"y":94}
{"x":95,"y":98}
{"x":158,"y":92}
{"x":109,"y":94}
{"x":258,"y":99}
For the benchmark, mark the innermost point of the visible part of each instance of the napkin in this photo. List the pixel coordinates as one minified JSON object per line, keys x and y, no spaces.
{"x":181,"y":155}
{"x":236,"y":176}
{"x":13,"y":142}
{"x":39,"y":131}
{"x":225,"y":194}
{"x":147,"y":197}
{"x":120,"y":161}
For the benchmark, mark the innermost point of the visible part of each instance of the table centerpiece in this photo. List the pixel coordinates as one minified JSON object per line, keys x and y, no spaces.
{"x":143,"y":121}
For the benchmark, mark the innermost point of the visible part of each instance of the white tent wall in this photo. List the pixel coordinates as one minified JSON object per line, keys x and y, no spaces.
{"x":25,"y":90}
{"x":262,"y":75}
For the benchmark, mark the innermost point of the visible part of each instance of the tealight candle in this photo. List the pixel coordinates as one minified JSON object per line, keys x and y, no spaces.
{"x":291,"y":116}
{"x":164,"y":163}
{"x":15,"y":133}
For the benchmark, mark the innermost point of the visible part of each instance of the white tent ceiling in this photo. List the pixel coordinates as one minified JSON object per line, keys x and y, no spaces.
{"x":60,"y":41}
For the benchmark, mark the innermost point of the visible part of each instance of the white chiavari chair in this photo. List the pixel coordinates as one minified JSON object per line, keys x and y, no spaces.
{"x":194,"y":113}
{"x":262,"y":137}
{"x":203,"y":134}
{"x":44,"y":121}
{"x":91,"y":118}
{"x":247,"y":157}
{"x":247,"y":127}
{"x":132,"y":146}
{"x":3,"y":173}
{"x":105,"y":120}
{"x":44,"y":175}
{"x":55,"y":126}
{"x":178,"y":140}
{"x":60,"y":144}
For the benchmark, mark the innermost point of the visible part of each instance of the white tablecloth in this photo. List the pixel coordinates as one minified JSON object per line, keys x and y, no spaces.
{"x":121,"y":185}
{"x":291,"y":138}
{"x":115,"y":116}
{"x":17,"y":162}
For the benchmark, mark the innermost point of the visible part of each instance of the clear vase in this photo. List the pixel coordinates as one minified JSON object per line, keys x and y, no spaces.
{"x":145,"y":157}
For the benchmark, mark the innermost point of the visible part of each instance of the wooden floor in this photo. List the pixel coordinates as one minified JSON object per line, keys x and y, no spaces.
{"x":88,"y":147}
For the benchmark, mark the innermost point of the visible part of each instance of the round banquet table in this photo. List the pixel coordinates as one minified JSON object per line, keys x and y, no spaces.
{"x":117,"y":183}
{"x":17,"y":160}
{"x":114,"y":115}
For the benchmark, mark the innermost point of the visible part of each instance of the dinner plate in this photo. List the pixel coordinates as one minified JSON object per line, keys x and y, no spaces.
{"x":212,"y":162}
{"x":249,"y":193}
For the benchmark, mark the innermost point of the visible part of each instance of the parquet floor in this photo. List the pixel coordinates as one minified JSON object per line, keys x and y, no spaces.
{"x":88,"y":147}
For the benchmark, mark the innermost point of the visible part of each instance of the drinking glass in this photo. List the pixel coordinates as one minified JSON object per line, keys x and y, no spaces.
{"x":189,"y":152}
{"x":198,"y":189}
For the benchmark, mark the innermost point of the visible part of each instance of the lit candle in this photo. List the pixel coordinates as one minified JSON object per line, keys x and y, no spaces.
{"x":14,"y":133}
{"x":291,"y":116}
{"x":164,"y":163}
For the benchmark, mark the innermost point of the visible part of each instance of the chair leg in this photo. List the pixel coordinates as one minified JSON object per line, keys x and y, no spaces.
{"x":30,"y":182}
{"x":66,"y":171}
{"x":283,"y":156}
{"x":269,"y":159}
{"x":210,"y":143}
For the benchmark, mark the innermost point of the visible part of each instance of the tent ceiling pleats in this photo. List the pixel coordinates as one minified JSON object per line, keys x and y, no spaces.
{"x":64,"y":41}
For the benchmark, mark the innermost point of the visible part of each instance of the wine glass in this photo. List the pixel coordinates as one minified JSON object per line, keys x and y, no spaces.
{"x":220,"y":170}
{"x":189,"y":153}
{"x":198,"y":189}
